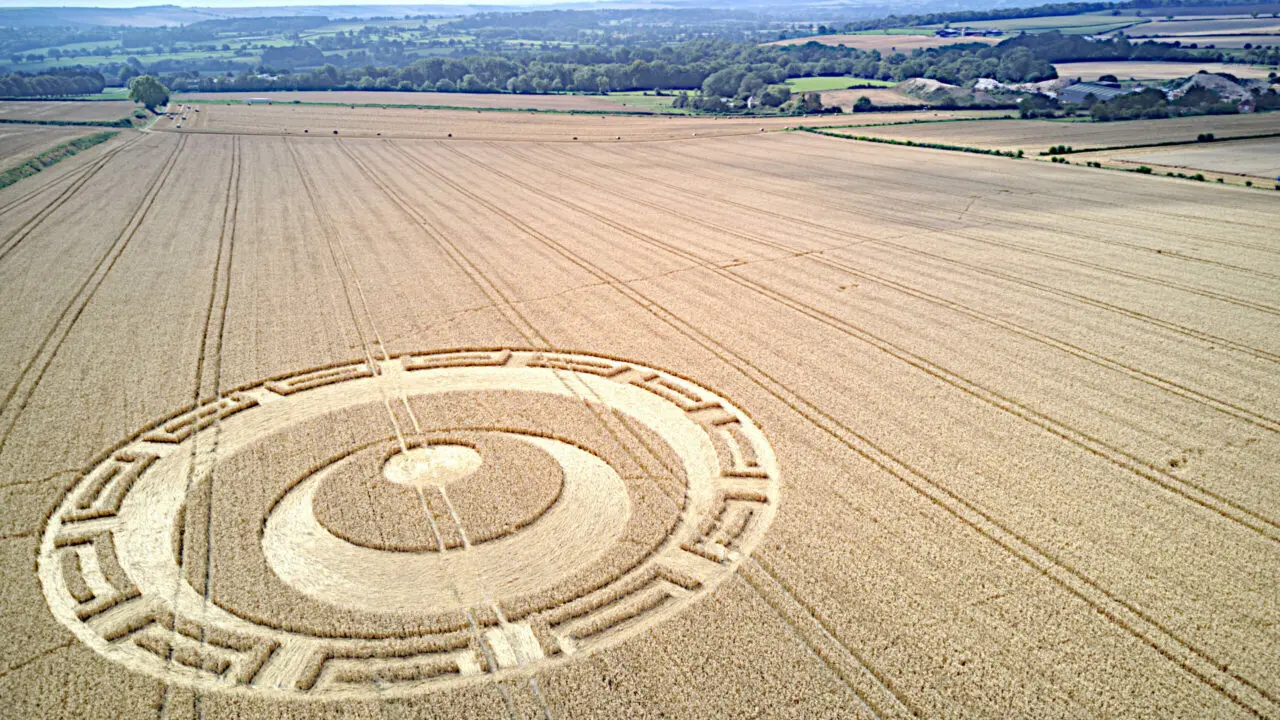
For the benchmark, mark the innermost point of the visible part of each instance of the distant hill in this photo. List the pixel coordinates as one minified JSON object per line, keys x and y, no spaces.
{"x":161,"y":15}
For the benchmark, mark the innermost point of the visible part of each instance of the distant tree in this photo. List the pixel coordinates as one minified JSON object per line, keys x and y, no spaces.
{"x":1038,"y":106}
{"x":775,"y":95}
{"x":127,"y":73}
{"x":863,"y":104}
{"x":148,"y":91}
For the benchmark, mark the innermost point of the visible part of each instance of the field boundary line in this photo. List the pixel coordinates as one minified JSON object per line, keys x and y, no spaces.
{"x":88,"y":289}
{"x":1195,"y":661}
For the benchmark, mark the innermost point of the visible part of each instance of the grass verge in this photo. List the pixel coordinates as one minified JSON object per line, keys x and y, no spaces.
{"x":52,"y":157}
{"x":1068,"y":150}
{"x":124,"y":122}
{"x":913,"y":143}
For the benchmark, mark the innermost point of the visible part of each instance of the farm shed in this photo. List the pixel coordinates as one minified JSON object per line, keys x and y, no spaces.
{"x":1078,"y":92}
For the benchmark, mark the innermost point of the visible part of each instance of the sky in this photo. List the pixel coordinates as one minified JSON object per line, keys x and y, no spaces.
{"x":257,"y":3}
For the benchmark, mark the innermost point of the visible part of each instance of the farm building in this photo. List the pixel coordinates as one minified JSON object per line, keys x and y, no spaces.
{"x":1080,"y":91}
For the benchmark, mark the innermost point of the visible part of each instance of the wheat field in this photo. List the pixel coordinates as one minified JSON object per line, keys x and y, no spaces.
{"x":741,"y":424}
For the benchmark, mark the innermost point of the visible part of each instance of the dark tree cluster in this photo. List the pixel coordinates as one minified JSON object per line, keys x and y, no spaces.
{"x":53,"y":84}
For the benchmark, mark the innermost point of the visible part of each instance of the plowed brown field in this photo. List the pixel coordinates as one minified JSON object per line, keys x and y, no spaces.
{"x":764,"y":425}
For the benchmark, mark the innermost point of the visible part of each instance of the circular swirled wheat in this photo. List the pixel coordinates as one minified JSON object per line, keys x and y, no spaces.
{"x":111,"y":576}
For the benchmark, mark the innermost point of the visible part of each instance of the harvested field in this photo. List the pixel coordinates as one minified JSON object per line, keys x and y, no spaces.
{"x":772,"y":425}
{"x":879,"y":96}
{"x":1074,"y":24}
{"x":18,"y":142}
{"x":1221,"y":41}
{"x":1259,"y":158}
{"x":1140,"y":70}
{"x":461,"y":124}
{"x":1035,"y":136}
{"x":1208,"y":26}
{"x":887,"y":43}
{"x":64,"y":110}
{"x":473,"y":100}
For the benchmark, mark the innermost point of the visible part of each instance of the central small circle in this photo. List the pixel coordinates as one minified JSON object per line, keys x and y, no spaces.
{"x":431,"y":465}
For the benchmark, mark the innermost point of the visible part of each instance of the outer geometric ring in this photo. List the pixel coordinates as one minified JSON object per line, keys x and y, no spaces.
{"x":89,"y":588}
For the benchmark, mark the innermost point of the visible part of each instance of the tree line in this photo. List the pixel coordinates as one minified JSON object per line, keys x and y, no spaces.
{"x":55,"y":84}
{"x":961,"y":17}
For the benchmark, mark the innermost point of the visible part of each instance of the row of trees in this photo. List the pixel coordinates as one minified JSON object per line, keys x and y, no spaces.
{"x":1148,"y":103}
{"x":961,"y":17}
{"x":716,"y":75}
{"x":51,"y":85}
{"x":1152,"y":103}
{"x":687,"y":66}
{"x":969,"y":16}
{"x":681,"y":66}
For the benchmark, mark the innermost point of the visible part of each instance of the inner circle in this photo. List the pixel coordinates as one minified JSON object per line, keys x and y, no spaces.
{"x":432,"y":465}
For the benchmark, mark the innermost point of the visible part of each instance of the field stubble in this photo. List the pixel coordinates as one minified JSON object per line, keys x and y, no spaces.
{"x":1151,"y":70}
{"x":65,"y":110}
{"x":18,"y":142}
{"x":313,"y":121}
{"x":1035,"y":136}
{"x":1004,"y":423}
{"x":566,"y":103}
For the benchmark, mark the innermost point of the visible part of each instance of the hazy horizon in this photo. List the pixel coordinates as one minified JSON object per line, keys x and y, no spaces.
{"x":121,"y":4}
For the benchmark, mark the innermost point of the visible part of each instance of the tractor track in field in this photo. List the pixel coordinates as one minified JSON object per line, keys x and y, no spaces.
{"x":1059,"y":209}
{"x":1068,"y":259}
{"x":1204,"y":667}
{"x":87,"y":173}
{"x":667,"y":317}
{"x":989,"y":272}
{"x":1224,"y":406}
{"x":20,"y":393}
{"x":1145,"y":470}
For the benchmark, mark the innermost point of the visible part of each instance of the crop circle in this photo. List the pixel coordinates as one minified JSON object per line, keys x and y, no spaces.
{"x":410,"y":524}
